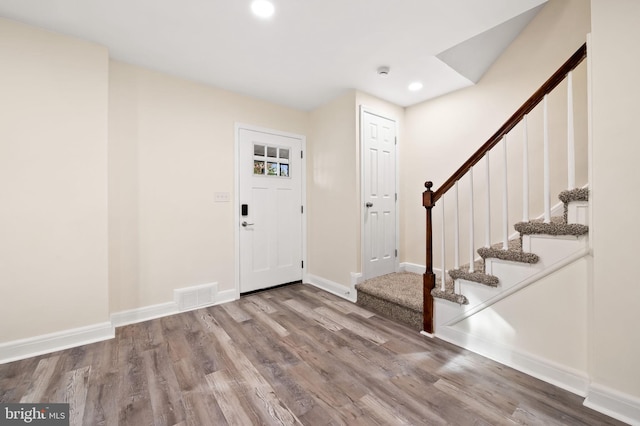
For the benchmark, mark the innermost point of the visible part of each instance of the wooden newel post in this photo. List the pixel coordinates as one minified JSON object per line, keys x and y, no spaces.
{"x":429,"y":278}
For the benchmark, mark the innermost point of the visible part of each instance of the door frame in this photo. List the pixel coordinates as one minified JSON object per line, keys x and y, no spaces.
{"x":236,"y":198}
{"x":364,"y":109}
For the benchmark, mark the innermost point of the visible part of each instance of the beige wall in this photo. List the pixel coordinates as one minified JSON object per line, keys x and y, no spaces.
{"x":440,"y":134}
{"x":332,"y":193}
{"x":171,"y":148}
{"x":53,"y":182}
{"x":615,"y":339}
{"x":334,"y":184}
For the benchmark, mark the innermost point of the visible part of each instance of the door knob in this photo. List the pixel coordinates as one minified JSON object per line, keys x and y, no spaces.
{"x":246,"y":224}
{"x":369,"y":204}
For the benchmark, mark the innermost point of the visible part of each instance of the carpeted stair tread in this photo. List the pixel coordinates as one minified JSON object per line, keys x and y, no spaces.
{"x":511,"y":255}
{"x":578,"y":194}
{"x":452,"y":297}
{"x":402,"y":288}
{"x":558,"y":226}
{"x":449,"y":292}
{"x":476,"y":276}
{"x":514,"y":253}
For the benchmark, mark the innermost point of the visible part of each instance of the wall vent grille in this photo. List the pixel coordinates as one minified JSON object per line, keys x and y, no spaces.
{"x":199,"y":296}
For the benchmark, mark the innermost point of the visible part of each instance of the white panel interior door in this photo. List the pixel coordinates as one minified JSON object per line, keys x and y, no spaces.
{"x":270,"y":185}
{"x":379,"y":183}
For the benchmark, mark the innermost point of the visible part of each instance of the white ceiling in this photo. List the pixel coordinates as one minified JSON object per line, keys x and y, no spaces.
{"x":309,"y":52}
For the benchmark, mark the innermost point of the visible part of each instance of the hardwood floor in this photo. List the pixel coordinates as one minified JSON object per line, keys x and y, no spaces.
{"x":291,"y":355}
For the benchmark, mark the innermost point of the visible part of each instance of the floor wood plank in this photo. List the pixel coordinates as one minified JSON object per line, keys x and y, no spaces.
{"x":40,"y":380}
{"x":287,"y":356}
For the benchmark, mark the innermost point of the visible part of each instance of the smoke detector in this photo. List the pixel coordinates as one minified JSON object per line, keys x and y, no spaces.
{"x":383,"y":71}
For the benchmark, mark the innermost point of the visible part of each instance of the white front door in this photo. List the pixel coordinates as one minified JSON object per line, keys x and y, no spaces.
{"x":270,"y":228}
{"x":379,"y":185}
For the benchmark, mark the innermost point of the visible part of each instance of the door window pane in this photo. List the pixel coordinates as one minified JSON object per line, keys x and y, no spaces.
{"x":272,"y":169}
{"x":258,"y":167}
{"x":271,"y":161}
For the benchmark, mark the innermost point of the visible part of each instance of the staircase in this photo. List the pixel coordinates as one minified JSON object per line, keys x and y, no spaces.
{"x":493,"y":272}
{"x":537,"y":249}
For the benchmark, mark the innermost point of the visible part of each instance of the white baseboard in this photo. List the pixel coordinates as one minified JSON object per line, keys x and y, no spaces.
{"x":613,"y":403}
{"x":226,"y":296}
{"x":332,"y":287}
{"x":66,"y":339}
{"x":146,"y":313}
{"x":564,"y":377}
{"x":416,"y":269}
{"x":47,"y":343}
{"x":412,"y":267}
{"x":356,"y":278}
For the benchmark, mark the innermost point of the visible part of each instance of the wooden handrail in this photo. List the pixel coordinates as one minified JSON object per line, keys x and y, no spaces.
{"x":526,"y":108}
{"x":430,"y":197}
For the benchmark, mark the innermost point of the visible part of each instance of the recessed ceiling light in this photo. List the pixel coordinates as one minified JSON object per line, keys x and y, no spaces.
{"x":262,"y":8}
{"x":415,"y":86}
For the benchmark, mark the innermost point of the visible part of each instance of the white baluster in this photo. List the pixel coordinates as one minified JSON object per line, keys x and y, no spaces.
{"x":442,"y":248}
{"x":505,"y":197}
{"x":571,"y":140}
{"x":471,"y":225}
{"x":487,"y":235}
{"x":525,"y":172}
{"x":456,"y":229}
{"x":547,"y":190}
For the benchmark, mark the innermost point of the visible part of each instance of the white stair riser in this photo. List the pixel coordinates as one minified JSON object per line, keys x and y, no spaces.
{"x":578,"y":212}
{"x":552,"y":249}
{"x":508,"y":271}
{"x":475,"y":293}
{"x":445,"y":312}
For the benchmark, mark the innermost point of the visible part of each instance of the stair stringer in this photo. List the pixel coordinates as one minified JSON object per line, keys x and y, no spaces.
{"x":554,"y":252}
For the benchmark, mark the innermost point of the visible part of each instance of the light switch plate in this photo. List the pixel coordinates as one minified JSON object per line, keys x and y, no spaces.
{"x":222,"y":197}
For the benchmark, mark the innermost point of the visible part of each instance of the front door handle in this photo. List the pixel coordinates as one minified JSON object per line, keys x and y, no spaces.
{"x":245,"y":224}
{"x":369,"y":204}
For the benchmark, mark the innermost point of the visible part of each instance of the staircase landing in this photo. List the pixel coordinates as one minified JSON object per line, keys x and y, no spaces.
{"x":397,"y":296}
